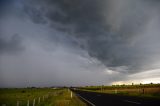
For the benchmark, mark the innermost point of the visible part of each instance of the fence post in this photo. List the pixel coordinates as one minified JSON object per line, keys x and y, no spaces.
{"x":43,"y":98}
{"x":34,"y":102}
{"x":28,"y":103}
{"x":101,"y":88}
{"x":71,"y":95}
{"x":143,"y":90}
{"x":39,"y":100}
{"x":17,"y":103}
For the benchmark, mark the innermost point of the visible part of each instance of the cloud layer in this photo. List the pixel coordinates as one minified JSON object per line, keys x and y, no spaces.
{"x":112,"y":31}
{"x":110,"y":39}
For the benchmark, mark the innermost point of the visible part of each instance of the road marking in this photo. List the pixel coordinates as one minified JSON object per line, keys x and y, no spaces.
{"x":86,"y":100}
{"x":132,"y":102}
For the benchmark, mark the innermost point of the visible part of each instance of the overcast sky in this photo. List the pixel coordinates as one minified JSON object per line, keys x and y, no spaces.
{"x":79,"y":42}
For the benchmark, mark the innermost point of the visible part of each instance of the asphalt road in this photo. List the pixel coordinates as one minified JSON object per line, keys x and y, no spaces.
{"x":101,"y":99}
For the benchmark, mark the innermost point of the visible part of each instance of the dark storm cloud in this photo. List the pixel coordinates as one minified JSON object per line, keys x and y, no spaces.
{"x":106,"y":29}
{"x":3,"y":4}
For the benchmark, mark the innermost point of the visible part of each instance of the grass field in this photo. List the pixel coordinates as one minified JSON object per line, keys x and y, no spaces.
{"x":142,"y":90}
{"x":39,"y":97}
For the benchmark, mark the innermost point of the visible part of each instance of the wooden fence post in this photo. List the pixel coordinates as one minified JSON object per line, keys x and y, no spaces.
{"x":143,"y":90}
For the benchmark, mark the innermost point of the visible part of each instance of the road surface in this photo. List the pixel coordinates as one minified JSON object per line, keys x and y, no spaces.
{"x":101,"y":99}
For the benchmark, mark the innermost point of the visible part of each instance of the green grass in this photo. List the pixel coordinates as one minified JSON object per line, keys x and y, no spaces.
{"x":64,"y":99}
{"x":48,"y":97}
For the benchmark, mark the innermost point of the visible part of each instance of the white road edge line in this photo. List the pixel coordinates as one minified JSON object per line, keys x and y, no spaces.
{"x":132,"y":102}
{"x":86,"y":100}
